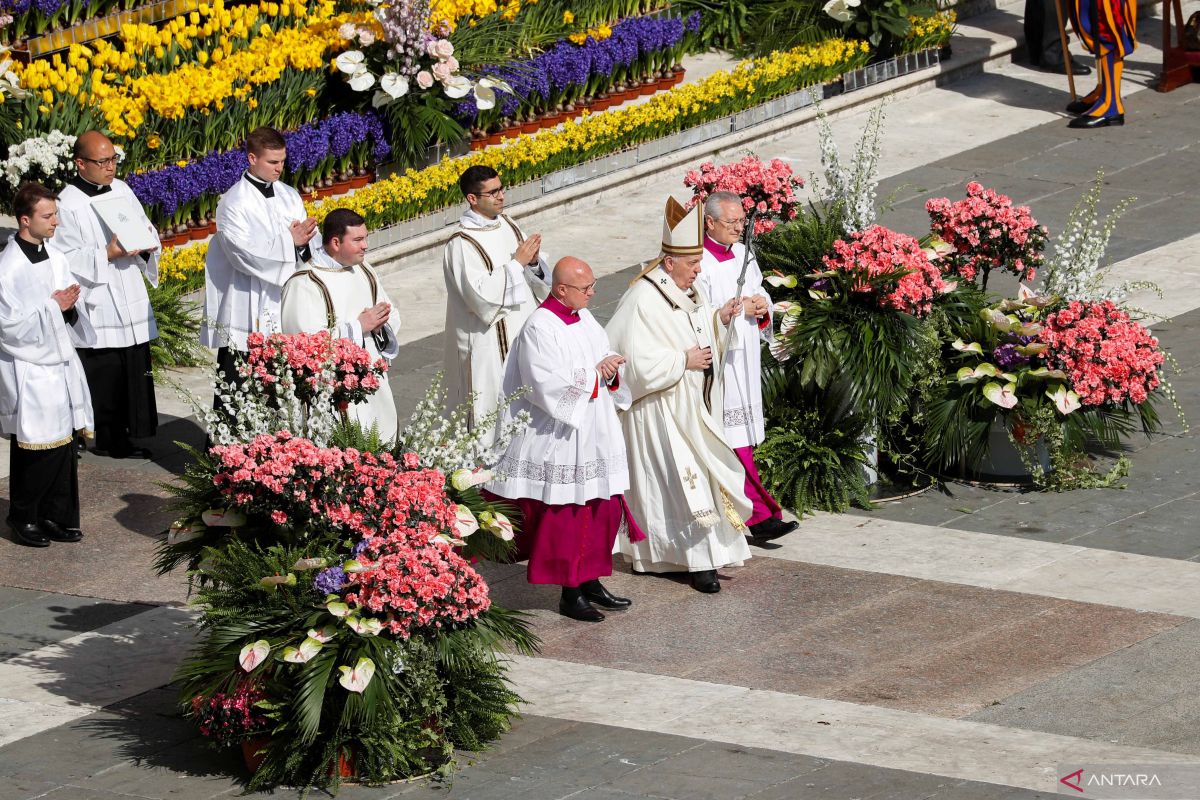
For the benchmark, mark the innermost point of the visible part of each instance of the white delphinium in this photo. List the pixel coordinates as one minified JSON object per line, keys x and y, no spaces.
{"x":854,"y":185}
{"x":46,"y":159}
{"x":1074,"y":270}
{"x":444,"y":443}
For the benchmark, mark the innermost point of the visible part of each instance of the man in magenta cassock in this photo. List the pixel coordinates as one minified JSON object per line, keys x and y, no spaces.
{"x":567,"y":471}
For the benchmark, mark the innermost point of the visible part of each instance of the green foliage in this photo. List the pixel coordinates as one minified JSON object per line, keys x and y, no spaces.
{"x":417,"y":121}
{"x":812,"y":456}
{"x":783,"y":24}
{"x":723,"y":23}
{"x":178,"y":342}
{"x":801,"y":244}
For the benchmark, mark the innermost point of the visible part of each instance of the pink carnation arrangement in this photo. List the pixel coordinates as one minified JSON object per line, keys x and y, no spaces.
{"x":411,"y":576}
{"x":987,"y":232}
{"x":1108,"y":357}
{"x":302,"y":358}
{"x":767,"y":187}
{"x":890,"y":265}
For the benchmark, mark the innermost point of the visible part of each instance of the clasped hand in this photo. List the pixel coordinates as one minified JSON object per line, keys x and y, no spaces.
{"x":67,"y":297}
{"x":731,"y":308}
{"x":527,"y":252}
{"x":373,"y":318}
{"x":699,"y":357}
{"x":608,"y":366}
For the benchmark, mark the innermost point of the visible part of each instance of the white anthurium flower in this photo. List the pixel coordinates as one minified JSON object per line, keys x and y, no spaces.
{"x":1032,"y":349}
{"x":963,"y":347}
{"x":362,"y":80}
{"x":304,"y":564}
{"x":969,"y":375}
{"x":352,"y":566}
{"x":463,"y":479}
{"x":364,"y":627}
{"x":456,"y":86}
{"x":181,"y":532}
{"x":485,"y":95}
{"x":949,"y":286}
{"x":223,"y":518}
{"x":496,"y":523}
{"x":779,"y":350}
{"x":841,"y":10}
{"x":356,"y":679}
{"x":782,"y":307}
{"x":380,"y":99}
{"x":778,"y":280}
{"x":299,"y":655}
{"x":323,"y":635}
{"x":254,"y":654}
{"x":1048,"y":374}
{"x":337,"y":608}
{"x":1004,"y":396}
{"x":1064,"y":399}
{"x":817,"y":294}
{"x":272,"y":581}
{"x":351,"y":61}
{"x":394,"y":84}
{"x":464,"y":521}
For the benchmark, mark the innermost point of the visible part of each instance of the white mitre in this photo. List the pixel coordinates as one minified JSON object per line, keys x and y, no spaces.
{"x":683,"y":233}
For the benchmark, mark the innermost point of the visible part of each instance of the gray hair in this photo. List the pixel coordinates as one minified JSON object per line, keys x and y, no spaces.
{"x":712,"y":206}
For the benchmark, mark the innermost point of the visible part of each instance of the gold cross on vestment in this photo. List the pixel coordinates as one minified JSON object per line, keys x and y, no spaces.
{"x":690,"y":478}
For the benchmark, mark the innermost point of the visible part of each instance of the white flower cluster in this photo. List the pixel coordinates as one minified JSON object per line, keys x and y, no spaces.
{"x":444,"y":443}
{"x":46,"y":159}
{"x":1074,"y":271}
{"x":842,"y":10}
{"x":854,"y":186}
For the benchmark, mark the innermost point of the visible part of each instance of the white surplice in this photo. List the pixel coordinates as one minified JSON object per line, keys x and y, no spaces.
{"x":573,"y":450}
{"x":44,"y":397}
{"x":329,"y":296}
{"x":249,"y":260}
{"x":112,"y":293}
{"x":489,"y":295}
{"x":743,"y":411}
{"x":686,"y":483}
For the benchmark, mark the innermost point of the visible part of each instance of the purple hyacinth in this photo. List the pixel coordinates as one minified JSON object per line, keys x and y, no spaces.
{"x":357,"y":550}
{"x":330,"y":581}
{"x":693,"y":22}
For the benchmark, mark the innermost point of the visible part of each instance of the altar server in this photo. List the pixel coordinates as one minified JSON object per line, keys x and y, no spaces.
{"x":495,"y":278}
{"x":724,"y":255}
{"x":567,"y":471}
{"x":341,"y":293}
{"x":687,"y":487}
{"x":113,"y":293}
{"x":263,"y":236}
{"x":44,"y":398}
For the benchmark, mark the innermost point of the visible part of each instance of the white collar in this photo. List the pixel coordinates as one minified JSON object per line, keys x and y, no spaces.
{"x":473,"y":219}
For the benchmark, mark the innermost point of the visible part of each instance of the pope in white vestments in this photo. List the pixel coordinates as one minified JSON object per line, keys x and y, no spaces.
{"x":567,"y":471}
{"x":495,"y":278}
{"x":44,"y":398}
{"x":263,"y":236}
{"x":686,"y":483}
{"x":114,"y":298}
{"x":724,"y":255}
{"x":341,"y":293}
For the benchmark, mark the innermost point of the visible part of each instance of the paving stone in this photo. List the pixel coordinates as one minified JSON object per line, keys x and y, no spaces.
{"x":44,"y":619}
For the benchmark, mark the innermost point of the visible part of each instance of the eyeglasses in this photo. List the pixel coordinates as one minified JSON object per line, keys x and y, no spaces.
{"x":493,"y":193}
{"x":735,"y":223}
{"x":111,"y":161}
{"x":591,"y":287}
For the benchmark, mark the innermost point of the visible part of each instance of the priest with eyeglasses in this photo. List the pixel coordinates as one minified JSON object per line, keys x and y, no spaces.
{"x":112,"y":282}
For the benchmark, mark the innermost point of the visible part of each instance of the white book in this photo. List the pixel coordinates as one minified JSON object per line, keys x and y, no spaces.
{"x":125,"y":220}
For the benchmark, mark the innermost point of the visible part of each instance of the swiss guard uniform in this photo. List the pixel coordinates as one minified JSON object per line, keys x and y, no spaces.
{"x":1108,"y":28}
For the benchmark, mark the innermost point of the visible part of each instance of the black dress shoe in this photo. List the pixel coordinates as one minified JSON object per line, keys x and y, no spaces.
{"x":596,"y":592}
{"x":1078,"y":106}
{"x":772,"y":528}
{"x":57,"y":533}
{"x":1077,"y":68}
{"x":706,"y":581}
{"x":577,"y":607}
{"x":29,"y":534}
{"x":1088,"y":123}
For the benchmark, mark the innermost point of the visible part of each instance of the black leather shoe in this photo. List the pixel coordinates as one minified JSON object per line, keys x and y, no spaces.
{"x":595,"y":592}
{"x":772,"y":528}
{"x":577,"y":607}
{"x":1087,"y":123}
{"x":1077,"y":68}
{"x":57,"y":533}
{"x":29,"y":534}
{"x":706,"y":581}
{"x":1078,"y":106}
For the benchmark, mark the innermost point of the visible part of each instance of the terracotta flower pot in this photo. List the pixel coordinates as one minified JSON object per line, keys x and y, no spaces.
{"x":666,"y":82}
{"x":602,"y":104}
{"x":198,"y":231}
{"x":678,"y":75}
{"x":530,"y":126}
{"x":649,"y":86}
{"x":212,"y":227}
{"x":341,"y":186}
{"x":551,"y":118}
{"x":362,"y":179}
{"x":251,"y":754}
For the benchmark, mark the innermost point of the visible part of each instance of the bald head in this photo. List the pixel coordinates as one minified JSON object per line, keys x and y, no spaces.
{"x":95,"y":158}
{"x":573,"y":282}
